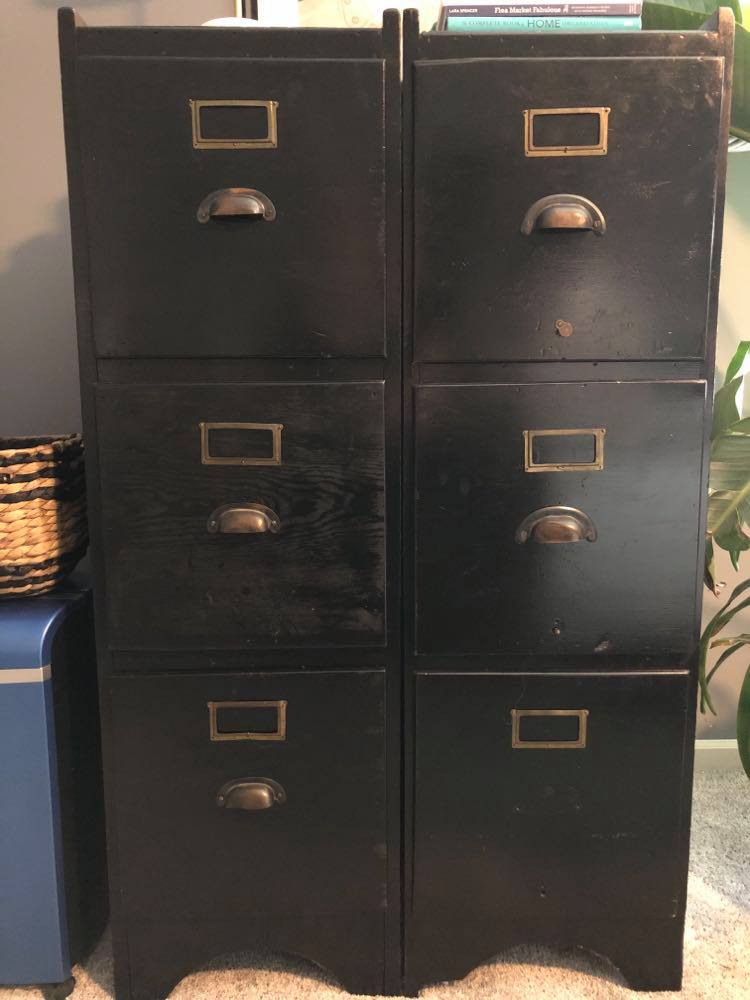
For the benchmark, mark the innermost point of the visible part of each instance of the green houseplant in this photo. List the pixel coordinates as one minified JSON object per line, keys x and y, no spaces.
{"x":728,"y":528}
{"x":680,"y":15}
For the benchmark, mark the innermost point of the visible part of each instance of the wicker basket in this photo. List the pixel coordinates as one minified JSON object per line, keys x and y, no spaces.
{"x":43,"y":529}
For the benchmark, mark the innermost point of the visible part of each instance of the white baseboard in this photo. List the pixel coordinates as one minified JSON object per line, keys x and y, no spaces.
{"x":717,"y":755}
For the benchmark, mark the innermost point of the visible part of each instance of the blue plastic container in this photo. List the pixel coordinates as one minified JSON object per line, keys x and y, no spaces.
{"x":52,"y":870}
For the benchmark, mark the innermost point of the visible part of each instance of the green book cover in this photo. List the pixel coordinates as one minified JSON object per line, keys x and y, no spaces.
{"x":539,"y":23}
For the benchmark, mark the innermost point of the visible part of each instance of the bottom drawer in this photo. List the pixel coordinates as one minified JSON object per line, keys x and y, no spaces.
{"x":572,"y":813}
{"x":227,"y":810}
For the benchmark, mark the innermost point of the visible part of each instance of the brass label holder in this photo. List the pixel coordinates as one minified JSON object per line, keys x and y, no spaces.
{"x":582,"y":714}
{"x":208,"y":459}
{"x":279,"y":735}
{"x":598,"y":149}
{"x":596,"y":465}
{"x":268,"y":141}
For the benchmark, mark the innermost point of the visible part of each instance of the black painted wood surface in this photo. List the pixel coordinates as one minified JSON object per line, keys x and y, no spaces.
{"x":309,"y":283}
{"x":324,"y":848}
{"x":479,"y":591}
{"x":318,"y":302}
{"x":486,"y":292}
{"x":203,"y":880}
{"x":319,"y":581}
{"x":312,"y":612}
{"x":504,"y":833}
{"x":531,"y":844}
{"x":496,"y":852}
{"x":347,"y":947}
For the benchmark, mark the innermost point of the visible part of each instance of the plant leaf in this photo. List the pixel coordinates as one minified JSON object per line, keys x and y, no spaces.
{"x":727,"y":477}
{"x":709,"y":567}
{"x":719,"y":503}
{"x":743,"y":510}
{"x":725,"y":618}
{"x":739,"y":589}
{"x":734,"y":448}
{"x":678,"y":14}
{"x":734,"y":366}
{"x":705,"y":701}
{"x":725,"y":407}
{"x":724,"y":519}
{"x":740,"y":114}
{"x":724,"y":656}
{"x":743,"y":723}
{"x":722,"y":618}
{"x":742,"y":639}
{"x":732,"y":539}
{"x":741,"y":427}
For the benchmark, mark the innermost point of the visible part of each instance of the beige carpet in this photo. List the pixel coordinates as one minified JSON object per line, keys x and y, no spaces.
{"x":717,"y":940}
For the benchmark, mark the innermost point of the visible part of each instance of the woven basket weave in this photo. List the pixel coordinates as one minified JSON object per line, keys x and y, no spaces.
{"x":43,"y":529}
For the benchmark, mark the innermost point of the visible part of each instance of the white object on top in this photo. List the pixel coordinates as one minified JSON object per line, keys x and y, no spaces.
{"x":279,"y":13}
{"x":230,"y":22}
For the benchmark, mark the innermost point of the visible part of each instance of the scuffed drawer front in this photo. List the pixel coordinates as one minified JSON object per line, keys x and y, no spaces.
{"x":558,"y":518}
{"x":564,"y":207}
{"x":515,"y":814}
{"x":250,"y":794}
{"x":235,"y":207}
{"x":243,"y":515}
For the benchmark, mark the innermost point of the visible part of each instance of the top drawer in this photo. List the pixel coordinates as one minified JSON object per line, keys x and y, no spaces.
{"x":164,"y":143}
{"x":634,"y":286}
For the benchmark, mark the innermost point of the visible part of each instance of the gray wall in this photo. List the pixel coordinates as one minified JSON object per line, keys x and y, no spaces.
{"x":38,"y":380}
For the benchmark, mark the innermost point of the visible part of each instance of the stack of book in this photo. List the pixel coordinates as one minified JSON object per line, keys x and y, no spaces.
{"x":546,"y":15}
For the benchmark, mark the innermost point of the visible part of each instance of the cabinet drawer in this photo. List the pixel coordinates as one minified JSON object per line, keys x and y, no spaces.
{"x":190,"y":847}
{"x":533,"y":830}
{"x":303,"y":279}
{"x":493,"y":465}
{"x":636,"y":286}
{"x":243,"y":515}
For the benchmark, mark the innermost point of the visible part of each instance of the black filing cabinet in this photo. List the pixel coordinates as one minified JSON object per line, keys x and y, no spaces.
{"x":563,"y":203}
{"x":395,"y":392}
{"x":236,"y":216}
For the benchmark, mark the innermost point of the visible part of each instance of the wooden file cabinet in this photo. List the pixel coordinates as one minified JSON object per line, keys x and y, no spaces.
{"x":333,"y":387}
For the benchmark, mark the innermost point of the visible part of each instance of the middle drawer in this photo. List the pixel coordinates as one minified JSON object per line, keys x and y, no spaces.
{"x":557,"y":518}
{"x":240,"y":516}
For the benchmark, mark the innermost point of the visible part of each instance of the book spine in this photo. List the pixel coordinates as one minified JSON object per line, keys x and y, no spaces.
{"x":550,"y":8}
{"x":562,"y":10}
{"x":542,"y":24}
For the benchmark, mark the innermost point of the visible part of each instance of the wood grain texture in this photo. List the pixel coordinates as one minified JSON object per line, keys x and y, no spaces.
{"x":486,"y":292}
{"x":479,"y":591}
{"x":170,"y":583}
{"x":311,"y":283}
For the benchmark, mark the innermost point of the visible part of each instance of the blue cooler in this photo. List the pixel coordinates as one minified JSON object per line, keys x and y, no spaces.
{"x":52,"y":855}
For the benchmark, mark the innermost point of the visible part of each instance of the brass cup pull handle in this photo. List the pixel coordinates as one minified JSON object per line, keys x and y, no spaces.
{"x":555,"y":525}
{"x":236,"y":203}
{"x":243,"y":519}
{"x":563,"y":211}
{"x":250,"y":794}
